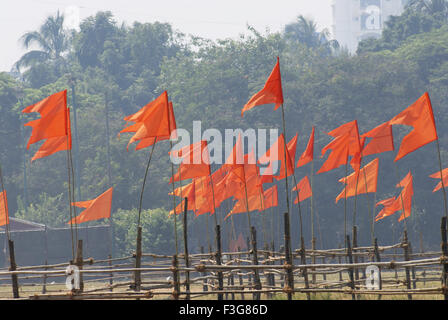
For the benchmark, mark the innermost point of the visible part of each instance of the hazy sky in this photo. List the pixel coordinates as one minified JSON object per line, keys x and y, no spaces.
{"x":207,"y":18}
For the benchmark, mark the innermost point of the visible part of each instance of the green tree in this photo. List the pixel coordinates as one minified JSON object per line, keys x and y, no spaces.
{"x":52,"y":41}
{"x":157,"y":231}
{"x":305,"y":31}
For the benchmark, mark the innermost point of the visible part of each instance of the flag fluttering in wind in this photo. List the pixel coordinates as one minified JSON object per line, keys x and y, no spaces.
{"x":339,"y":153}
{"x":98,"y":208}
{"x":382,"y":140}
{"x":4,"y":215}
{"x":360,"y":182}
{"x":304,"y":189}
{"x":308,"y":155}
{"x":53,"y":126}
{"x":195,"y":161}
{"x":277,"y":153}
{"x":346,"y":143}
{"x":271,"y":92}
{"x":444,"y":177}
{"x":420,"y":116}
{"x":153,"y":121}
{"x":256,"y":202}
{"x":404,"y":199}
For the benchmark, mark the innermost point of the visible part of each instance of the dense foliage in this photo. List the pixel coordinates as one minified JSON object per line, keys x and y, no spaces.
{"x":116,"y":69}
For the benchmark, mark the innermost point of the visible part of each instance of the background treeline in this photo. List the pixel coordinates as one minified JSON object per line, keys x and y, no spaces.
{"x":116,"y":69}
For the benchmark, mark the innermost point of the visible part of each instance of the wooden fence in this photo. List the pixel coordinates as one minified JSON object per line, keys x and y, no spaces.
{"x":374,"y":272}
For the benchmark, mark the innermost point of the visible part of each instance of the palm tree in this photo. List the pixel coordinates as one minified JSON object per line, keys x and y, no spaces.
{"x":51,"y":39}
{"x":305,"y":32}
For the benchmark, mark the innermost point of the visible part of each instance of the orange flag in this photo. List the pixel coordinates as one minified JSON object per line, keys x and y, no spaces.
{"x":419,"y":115}
{"x":98,"y":208}
{"x":339,"y":154}
{"x":360,"y":182}
{"x":304,"y":188}
{"x":195,"y":161}
{"x":277,"y":153}
{"x":4,"y":215}
{"x":308,"y":155}
{"x":271,"y":92}
{"x":381,"y":140}
{"x":255,"y":202}
{"x":436,"y":175}
{"x":154,"y":120}
{"x":404,"y":199}
{"x":53,"y":126}
{"x":355,"y":143}
{"x":388,"y":210}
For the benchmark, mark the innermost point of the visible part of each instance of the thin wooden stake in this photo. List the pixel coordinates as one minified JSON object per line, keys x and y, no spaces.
{"x":14,"y":279}
{"x":218,"y":260}
{"x":406,"y":258}
{"x":257,"y":282}
{"x":187,"y":258}
{"x":79,"y":264}
{"x":350,"y":260}
{"x":288,"y":258}
{"x":138,"y":260}
{"x":444,"y":247}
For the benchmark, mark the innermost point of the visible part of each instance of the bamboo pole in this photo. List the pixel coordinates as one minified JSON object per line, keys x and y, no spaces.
{"x":187,"y":260}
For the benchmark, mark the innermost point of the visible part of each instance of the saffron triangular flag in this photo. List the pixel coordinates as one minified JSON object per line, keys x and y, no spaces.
{"x":436,"y":175}
{"x":98,"y":208}
{"x":271,"y":92}
{"x":53,"y":126}
{"x":420,"y":116}
{"x":308,"y":155}
{"x":304,"y":189}
{"x":360,"y":182}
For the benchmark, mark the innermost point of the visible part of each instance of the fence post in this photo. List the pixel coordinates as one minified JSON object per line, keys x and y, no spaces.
{"x":12,"y":260}
{"x":444,"y":247}
{"x":111,"y":275}
{"x":378,"y":259}
{"x":249,"y":275}
{"x":175,"y":270}
{"x":204,"y":283}
{"x":355,"y":245}
{"x":187,"y":258}
{"x":288,"y":266}
{"x":218,"y":261}
{"x":240,"y":277}
{"x":257,"y":282}
{"x":273,"y":255}
{"x":350,"y":270}
{"x":340,"y":272}
{"x":231,"y":280}
{"x":267,"y":273}
{"x":303,"y":262}
{"x":44,"y":285}
{"x":138,"y":260}
{"x":414,"y":280}
{"x":406,"y":258}
{"x":79,"y":263}
{"x":313,"y":259}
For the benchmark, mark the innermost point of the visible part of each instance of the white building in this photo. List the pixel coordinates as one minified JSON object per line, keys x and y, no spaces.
{"x":356,"y":20}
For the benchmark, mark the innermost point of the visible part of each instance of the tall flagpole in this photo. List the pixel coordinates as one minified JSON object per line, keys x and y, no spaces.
{"x":440,"y":163}
{"x":144,"y":182}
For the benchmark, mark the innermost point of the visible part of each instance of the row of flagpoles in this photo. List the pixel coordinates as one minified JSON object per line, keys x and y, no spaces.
{"x":239,"y":177}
